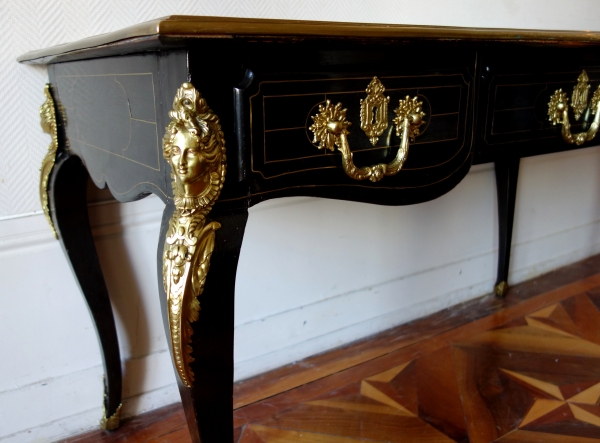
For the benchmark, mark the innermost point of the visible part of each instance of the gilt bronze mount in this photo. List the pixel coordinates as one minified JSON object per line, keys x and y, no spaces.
{"x":113,"y":422}
{"x":558,"y":110}
{"x":194,"y":146}
{"x":48,"y":122}
{"x":330,"y":129}
{"x":374,"y":111}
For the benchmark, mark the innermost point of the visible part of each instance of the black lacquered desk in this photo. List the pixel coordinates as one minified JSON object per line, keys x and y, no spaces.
{"x":214,"y":115}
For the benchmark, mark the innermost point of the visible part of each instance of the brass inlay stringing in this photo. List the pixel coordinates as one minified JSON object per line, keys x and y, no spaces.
{"x":373,"y":111}
{"x":558,"y":110}
{"x":194,"y":145}
{"x":110,"y":423}
{"x":330,"y":129}
{"x":48,"y":122}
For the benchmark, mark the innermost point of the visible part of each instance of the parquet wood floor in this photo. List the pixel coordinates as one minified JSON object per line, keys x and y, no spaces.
{"x":521,"y":370}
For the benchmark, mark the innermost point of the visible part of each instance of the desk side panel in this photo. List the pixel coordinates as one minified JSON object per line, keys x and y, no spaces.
{"x":113,"y":112}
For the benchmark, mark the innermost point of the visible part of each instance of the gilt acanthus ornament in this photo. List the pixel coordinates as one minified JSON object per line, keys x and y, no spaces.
{"x":194,"y":146}
{"x":48,"y":122}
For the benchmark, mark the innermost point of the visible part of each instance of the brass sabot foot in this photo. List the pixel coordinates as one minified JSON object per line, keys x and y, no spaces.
{"x":110,"y":423}
{"x":501,"y":289}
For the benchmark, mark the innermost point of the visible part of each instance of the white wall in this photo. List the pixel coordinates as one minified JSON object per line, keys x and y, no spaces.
{"x":330,"y":271}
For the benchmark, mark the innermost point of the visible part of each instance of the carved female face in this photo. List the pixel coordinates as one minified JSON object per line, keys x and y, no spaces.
{"x":189,"y":164}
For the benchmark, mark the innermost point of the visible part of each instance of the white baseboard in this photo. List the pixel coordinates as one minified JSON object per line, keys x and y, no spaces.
{"x":349,"y":317}
{"x":89,"y":419}
{"x":72,"y":403}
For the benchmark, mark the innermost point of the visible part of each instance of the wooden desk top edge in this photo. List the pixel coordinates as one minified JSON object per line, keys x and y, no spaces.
{"x":180,"y":26}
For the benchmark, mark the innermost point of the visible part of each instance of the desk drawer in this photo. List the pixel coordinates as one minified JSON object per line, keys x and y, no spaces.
{"x":282,"y":111}
{"x":284,"y":156}
{"x":516,"y":94}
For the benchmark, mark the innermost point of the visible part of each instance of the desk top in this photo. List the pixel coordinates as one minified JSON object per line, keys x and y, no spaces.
{"x":171,"y":30}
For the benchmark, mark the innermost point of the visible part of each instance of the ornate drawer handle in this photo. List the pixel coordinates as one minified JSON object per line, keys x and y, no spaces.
{"x":330,"y":129}
{"x":558,"y":110}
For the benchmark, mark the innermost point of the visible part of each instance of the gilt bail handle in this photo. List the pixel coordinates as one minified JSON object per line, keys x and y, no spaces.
{"x":558,"y":110}
{"x":330,"y":129}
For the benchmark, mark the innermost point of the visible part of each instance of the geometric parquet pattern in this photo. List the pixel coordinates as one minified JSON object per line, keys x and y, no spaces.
{"x":534,"y":378}
{"x":524,"y":369}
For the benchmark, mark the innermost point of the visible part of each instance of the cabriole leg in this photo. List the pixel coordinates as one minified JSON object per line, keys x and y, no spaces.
{"x":68,"y":203}
{"x":507,"y":171}
{"x":197,"y":258}
{"x":208,"y":402}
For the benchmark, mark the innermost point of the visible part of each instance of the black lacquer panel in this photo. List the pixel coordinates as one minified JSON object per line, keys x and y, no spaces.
{"x":114,"y":112}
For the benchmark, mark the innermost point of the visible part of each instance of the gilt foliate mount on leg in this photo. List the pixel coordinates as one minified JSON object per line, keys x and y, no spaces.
{"x":194,"y":146}
{"x":48,"y":122}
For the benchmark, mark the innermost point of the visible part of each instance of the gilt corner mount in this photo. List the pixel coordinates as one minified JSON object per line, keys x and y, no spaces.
{"x":48,"y":122}
{"x":194,"y":146}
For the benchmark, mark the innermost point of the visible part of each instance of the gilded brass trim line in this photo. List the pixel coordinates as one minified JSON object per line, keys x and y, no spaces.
{"x":48,"y":122}
{"x":194,"y":146}
{"x":330,"y":129}
{"x":373,"y":111}
{"x":110,"y":423}
{"x":501,"y":289}
{"x":558,"y":111}
{"x":115,"y":75}
{"x":197,"y":26}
